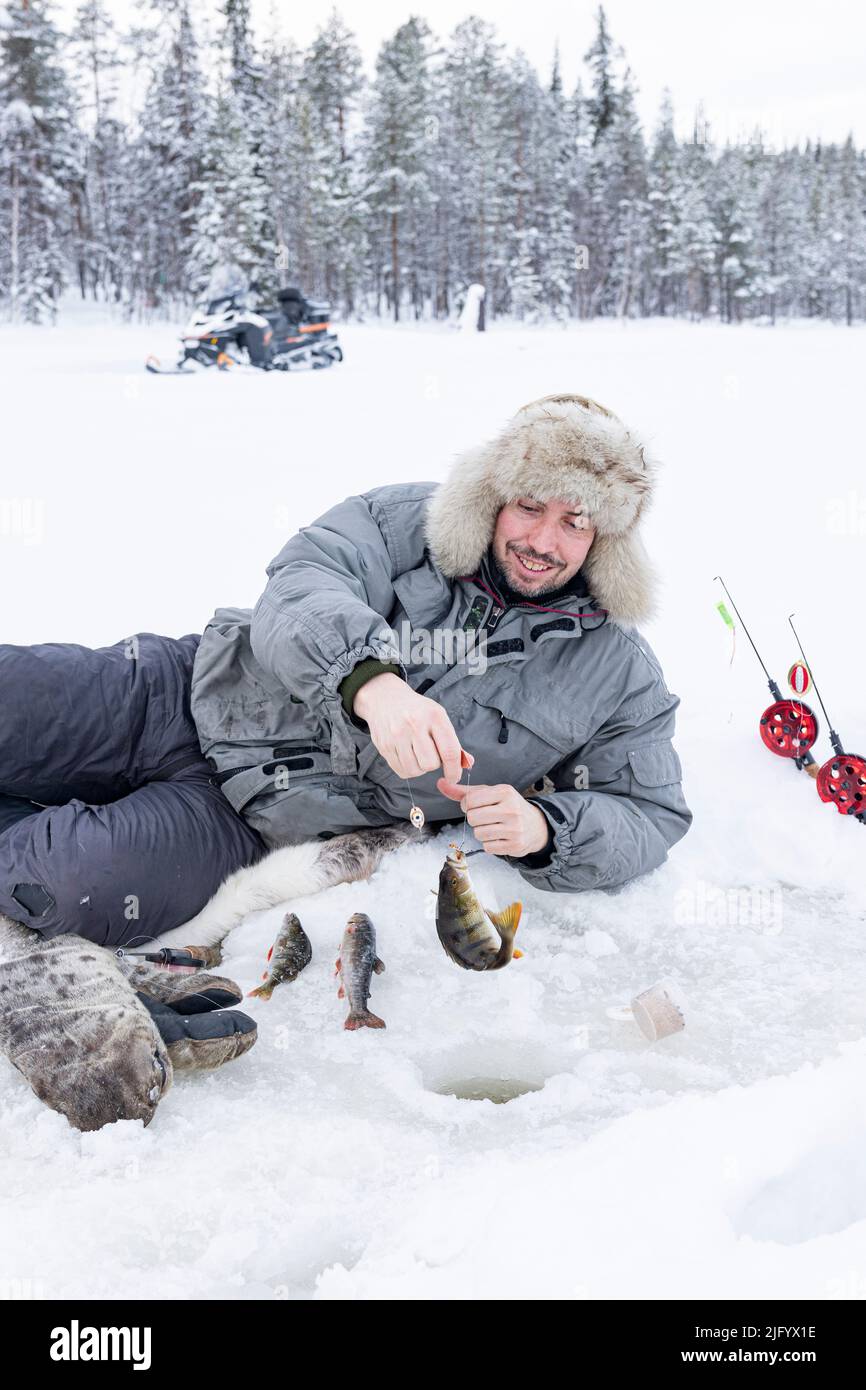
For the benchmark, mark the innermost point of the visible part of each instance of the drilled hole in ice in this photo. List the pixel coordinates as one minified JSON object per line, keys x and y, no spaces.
{"x":499,"y":1089}
{"x":496,"y":1071}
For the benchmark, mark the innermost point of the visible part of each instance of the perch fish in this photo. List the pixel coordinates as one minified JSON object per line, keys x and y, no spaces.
{"x":288,"y":956}
{"x":465,"y":928}
{"x":356,"y":964}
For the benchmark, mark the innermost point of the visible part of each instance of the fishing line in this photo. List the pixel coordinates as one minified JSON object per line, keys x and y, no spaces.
{"x":465,"y":813}
{"x":416,"y":815}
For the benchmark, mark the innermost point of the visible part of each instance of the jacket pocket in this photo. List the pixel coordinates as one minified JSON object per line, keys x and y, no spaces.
{"x":279,"y":775}
{"x":536,"y":719}
{"x":514,"y":743}
{"x":656,"y":764}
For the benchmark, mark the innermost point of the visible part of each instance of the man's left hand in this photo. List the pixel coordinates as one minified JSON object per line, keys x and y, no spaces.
{"x":504,"y":821}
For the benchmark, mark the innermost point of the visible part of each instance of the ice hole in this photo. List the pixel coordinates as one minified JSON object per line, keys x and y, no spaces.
{"x":491,"y":1072}
{"x":499,"y":1089}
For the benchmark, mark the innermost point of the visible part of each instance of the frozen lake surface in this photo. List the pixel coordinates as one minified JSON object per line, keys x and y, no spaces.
{"x":507,"y":1131}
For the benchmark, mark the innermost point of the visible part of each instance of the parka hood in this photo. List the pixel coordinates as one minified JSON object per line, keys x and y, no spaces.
{"x":559,"y":448}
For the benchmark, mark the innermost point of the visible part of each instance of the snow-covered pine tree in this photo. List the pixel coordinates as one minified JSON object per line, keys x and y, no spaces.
{"x":234,"y":241}
{"x":474,"y":153}
{"x":39,"y":162}
{"x":439,"y":250}
{"x":600,"y":57}
{"x":396,"y":139}
{"x":627,"y":189}
{"x":665,"y":196}
{"x":288,"y":159}
{"x":696,"y":232}
{"x":616,"y":208}
{"x":558,"y":170}
{"x":163,"y":197}
{"x":580,"y":200}
{"x":817,"y":255}
{"x":848,"y":218}
{"x":244,"y":71}
{"x":735,"y":203}
{"x":598,"y":216}
{"x":522,"y":250}
{"x":100,"y":250}
{"x":230,"y":249}
{"x":333,"y":84}
{"x":778,"y":233}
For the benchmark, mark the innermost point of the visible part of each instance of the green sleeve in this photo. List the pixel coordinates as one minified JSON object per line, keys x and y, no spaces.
{"x":364,"y":671}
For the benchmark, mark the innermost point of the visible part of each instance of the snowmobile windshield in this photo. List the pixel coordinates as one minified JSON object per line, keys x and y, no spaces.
{"x":230,"y":300}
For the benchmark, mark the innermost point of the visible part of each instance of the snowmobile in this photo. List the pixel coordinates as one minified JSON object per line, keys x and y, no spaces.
{"x":301,"y":332}
{"x":226,"y":332}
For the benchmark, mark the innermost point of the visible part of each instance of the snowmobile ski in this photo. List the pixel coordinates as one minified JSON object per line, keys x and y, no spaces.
{"x":153,"y":364}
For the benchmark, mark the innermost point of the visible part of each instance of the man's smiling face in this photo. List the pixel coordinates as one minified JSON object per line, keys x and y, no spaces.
{"x":539,"y":546}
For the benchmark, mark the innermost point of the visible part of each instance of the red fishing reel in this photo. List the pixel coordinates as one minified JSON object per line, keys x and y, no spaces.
{"x":843,"y":781}
{"x":788,"y":728}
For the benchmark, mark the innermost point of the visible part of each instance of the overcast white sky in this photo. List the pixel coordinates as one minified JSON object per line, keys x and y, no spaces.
{"x":794,"y":67}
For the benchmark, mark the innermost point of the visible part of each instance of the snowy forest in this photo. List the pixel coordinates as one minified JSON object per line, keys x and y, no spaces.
{"x":453,"y":162}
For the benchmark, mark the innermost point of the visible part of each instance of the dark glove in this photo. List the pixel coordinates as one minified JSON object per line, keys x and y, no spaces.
{"x":190,"y":1011}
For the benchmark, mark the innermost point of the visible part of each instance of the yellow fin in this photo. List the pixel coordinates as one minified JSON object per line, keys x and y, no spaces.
{"x":508,"y":919}
{"x":518,"y":955}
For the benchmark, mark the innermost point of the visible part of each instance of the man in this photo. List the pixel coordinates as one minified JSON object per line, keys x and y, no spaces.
{"x":532,"y":549}
{"x":486,"y":624}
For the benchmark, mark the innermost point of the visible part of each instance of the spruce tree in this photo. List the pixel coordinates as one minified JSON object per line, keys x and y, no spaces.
{"x":40,"y":162}
{"x":474,"y":153}
{"x":558,"y":169}
{"x":167,"y":161}
{"x":600,"y":57}
{"x":696,"y":233}
{"x":99,"y":200}
{"x":665,"y":195}
{"x":333,"y":83}
{"x":399,"y":194}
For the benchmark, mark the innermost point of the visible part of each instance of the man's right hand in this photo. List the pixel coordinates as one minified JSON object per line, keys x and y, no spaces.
{"x":412,"y":733}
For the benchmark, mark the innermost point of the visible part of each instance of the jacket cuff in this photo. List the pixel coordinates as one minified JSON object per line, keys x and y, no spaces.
{"x":363,"y":672}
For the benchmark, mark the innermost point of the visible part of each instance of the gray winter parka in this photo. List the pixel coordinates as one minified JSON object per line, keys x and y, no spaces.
{"x":569,"y":705}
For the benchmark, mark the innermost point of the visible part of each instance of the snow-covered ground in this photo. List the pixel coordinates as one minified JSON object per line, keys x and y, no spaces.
{"x":725,"y":1161}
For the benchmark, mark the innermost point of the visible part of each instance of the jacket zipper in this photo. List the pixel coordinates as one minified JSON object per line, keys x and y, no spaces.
{"x":493,"y":619}
{"x":503,"y":728}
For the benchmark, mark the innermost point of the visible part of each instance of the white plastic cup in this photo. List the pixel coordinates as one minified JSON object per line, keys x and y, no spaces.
{"x":658,"y":1011}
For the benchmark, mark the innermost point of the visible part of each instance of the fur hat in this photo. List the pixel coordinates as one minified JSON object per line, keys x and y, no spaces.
{"x":566,"y":449}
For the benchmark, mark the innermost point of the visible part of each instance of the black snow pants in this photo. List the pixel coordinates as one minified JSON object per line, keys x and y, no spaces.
{"x":111,"y":822}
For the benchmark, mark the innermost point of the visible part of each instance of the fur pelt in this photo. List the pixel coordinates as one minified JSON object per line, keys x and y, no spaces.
{"x":72,"y":1025}
{"x":294,"y":871}
{"x":560,"y":448}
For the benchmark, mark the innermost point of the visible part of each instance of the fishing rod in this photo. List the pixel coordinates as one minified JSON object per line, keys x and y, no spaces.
{"x":842,"y":779}
{"x":164,"y":956}
{"x":788,"y":728}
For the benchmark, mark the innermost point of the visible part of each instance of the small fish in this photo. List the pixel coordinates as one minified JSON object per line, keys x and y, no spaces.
{"x":287,"y":957}
{"x":465,"y":928}
{"x":356,"y":963}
